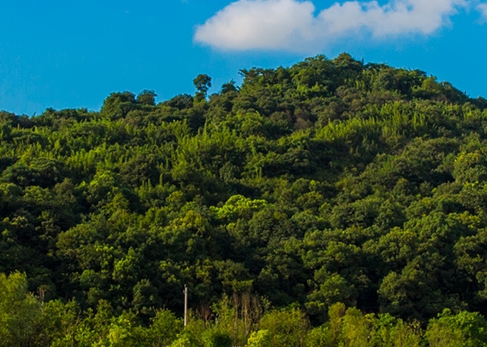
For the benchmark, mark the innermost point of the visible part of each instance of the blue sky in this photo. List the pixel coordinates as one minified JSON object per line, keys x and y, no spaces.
{"x":73,"y":54}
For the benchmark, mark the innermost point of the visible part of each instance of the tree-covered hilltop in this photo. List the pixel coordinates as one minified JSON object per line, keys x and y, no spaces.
{"x":328,"y":181}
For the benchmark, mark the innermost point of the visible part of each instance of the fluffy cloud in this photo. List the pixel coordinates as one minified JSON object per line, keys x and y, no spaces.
{"x":482,"y":8}
{"x":295,"y":25}
{"x":247,"y":24}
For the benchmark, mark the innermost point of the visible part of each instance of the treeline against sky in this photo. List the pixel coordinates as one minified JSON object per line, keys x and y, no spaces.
{"x":331,"y":181}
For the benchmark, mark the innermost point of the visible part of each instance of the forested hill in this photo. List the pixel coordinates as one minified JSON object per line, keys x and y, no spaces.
{"x":328,"y":181}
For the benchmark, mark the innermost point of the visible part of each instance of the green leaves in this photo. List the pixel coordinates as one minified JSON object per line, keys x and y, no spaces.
{"x":467,"y":329}
{"x":328,"y":181}
{"x":19,"y":311}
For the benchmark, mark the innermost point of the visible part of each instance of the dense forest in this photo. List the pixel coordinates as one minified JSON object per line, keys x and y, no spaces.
{"x":331,"y":203}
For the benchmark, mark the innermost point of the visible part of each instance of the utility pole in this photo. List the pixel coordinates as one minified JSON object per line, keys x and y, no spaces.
{"x":185,"y":291}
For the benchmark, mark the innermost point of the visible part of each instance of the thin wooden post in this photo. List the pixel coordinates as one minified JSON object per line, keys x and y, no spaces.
{"x":185,"y":305}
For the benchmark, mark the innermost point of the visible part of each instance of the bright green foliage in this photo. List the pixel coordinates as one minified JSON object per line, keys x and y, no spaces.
{"x":58,"y":323}
{"x":164,"y":328}
{"x":396,"y":333}
{"x":19,"y":311}
{"x":349,"y":327}
{"x":463,"y":329}
{"x":287,"y":327}
{"x":260,"y":338}
{"x":193,"y":335}
{"x":238,"y":206}
{"x":356,"y":329}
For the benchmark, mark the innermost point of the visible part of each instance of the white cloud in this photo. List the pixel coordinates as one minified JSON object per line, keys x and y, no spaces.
{"x":295,"y":25}
{"x":482,"y":8}
{"x":247,"y":24}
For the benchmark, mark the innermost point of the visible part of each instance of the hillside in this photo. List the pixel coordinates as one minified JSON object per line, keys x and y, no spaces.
{"x":328,"y":181}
